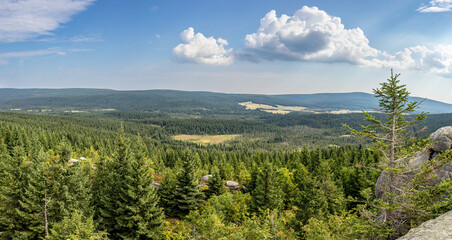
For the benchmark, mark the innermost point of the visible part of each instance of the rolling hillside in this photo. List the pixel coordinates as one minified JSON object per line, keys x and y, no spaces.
{"x":185,"y":102}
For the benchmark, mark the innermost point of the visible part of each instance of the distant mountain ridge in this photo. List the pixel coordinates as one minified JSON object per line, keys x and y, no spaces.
{"x":174,"y":101}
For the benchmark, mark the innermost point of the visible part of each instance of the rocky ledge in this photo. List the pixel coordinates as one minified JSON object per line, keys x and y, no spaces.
{"x":439,"y":228}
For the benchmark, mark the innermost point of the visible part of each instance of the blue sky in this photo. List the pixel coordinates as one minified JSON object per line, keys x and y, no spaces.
{"x":253,"y":46}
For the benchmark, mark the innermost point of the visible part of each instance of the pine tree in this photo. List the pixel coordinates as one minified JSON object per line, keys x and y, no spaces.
{"x":65,"y":190}
{"x":391,"y":136}
{"x":167,"y":198}
{"x":22,"y":192}
{"x":187,"y":195}
{"x":13,"y":182}
{"x":145,"y":213}
{"x":396,"y":208}
{"x":215,"y":184}
{"x":75,"y":227}
{"x":128,"y":209}
{"x":32,"y":202}
{"x":266,"y":194}
{"x":310,"y":200}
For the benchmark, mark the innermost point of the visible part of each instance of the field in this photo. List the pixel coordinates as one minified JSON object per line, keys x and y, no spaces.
{"x":206,"y":139}
{"x":279,"y":109}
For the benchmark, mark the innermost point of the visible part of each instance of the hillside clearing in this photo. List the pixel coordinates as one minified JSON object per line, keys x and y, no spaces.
{"x":206,"y":139}
{"x":279,"y":109}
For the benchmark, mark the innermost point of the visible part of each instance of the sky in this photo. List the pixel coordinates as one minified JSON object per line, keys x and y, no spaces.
{"x":252,"y":46}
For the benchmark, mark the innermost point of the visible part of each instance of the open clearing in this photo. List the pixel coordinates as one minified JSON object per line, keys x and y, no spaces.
{"x":279,"y":109}
{"x":206,"y":139}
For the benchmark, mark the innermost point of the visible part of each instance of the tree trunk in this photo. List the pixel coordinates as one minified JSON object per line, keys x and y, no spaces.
{"x":46,"y":225}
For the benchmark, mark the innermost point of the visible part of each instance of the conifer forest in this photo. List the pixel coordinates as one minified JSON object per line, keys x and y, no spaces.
{"x":124,"y":175}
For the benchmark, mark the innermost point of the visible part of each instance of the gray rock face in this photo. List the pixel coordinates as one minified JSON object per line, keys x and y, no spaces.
{"x":439,"y":228}
{"x":443,"y":139}
{"x":156,"y":185}
{"x":232,"y":185}
{"x":206,"y":178}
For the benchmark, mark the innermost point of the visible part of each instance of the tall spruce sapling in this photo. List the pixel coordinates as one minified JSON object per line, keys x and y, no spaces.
{"x":215,"y":184}
{"x":187,"y":195}
{"x":398,"y":208}
{"x":391,"y":136}
{"x":129,"y":208}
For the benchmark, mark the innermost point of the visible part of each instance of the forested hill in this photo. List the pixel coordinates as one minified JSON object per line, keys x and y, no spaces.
{"x":171,"y":101}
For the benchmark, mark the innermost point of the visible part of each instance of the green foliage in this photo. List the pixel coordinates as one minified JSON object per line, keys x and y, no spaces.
{"x":21,"y":193}
{"x":128,"y":208}
{"x":289,"y":191}
{"x":167,"y":194}
{"x":405,"y":200}
{"x":187,"y":195}
{"x":215,"y":185}
{"x":267,"y":193}
{"x":76,"y":227}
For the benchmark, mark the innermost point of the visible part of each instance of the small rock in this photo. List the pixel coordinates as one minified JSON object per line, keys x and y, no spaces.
{"x":232,"y":185}
{"x":206,"y":178}
{"x":443,"y":137}
{"x":157,"y":186}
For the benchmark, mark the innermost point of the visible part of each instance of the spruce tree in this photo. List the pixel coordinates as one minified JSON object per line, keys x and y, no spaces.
{"x":215,"y":184}
{"x":167,"y":197}
{"x":397,"y":207}
{"x":145,"y":215}
{"x":128,"y":209}
{"x":13,"y":182}
{"x":110,"y":197}
{"x":310,"y":200}
{"x":266,"y":194}
{"x":63,"y":192}
{"x":187,"y":195}
{"x":33,"y":199}
{"x":22,"y":200}
{"x":76,"y":227}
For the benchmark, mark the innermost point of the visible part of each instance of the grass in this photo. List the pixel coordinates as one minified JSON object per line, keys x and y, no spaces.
{"x":206,"y":139}
{"x":279,"y":109}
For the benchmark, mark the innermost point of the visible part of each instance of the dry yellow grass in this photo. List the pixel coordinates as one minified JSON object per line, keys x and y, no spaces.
{"x":279,"y":109}
{"x":75,"y":111}
{"x":206,"y":139}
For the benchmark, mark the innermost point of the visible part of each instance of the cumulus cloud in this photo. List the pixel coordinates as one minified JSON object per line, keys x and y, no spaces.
{"x":309,"y":35}
{"x":437,"y":6}
{"x":22,"y":20}
{"x":437,"y":59}
{"x":199,"y":49}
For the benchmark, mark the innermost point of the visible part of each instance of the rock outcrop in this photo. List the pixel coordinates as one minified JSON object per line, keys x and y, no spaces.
{"x":206,"y":178}
{"x":232,"y":185}
{"x":439,"y":228}
{"x":443,"y":137}
{"x":156,"y":185}
{"x":443,"y":141}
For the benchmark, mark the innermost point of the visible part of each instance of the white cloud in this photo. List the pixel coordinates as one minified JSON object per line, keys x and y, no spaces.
{"x":437,"y":59}
{"x":21,"y":20}
{"x":26,"y":54}
{"x":437,"y":6}
{"x":200,"y":49}
{"x":309,"y":35}
{"x":86,"y":38}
